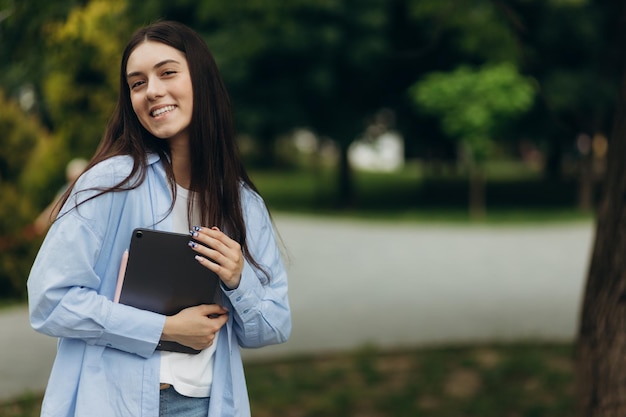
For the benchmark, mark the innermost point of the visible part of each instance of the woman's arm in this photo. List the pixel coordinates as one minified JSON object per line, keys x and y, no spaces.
{"x":76,"y":268}
{"x":261,"y":313}
{"x":261,"y":310}
{"x":65,"y":300}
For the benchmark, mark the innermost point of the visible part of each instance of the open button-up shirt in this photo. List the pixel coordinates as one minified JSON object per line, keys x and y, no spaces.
{"x":106,"y":364}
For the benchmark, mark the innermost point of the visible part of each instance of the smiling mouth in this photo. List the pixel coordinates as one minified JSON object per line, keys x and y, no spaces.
{"x":162,"y":110}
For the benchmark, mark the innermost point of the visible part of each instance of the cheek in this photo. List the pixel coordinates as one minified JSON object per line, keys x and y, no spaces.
{"x":140,"y":111}
{"x":135,"y":103}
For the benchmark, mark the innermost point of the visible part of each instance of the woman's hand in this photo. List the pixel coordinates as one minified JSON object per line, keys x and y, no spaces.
{"x":195,"y":326}
{"x":219,"y":253}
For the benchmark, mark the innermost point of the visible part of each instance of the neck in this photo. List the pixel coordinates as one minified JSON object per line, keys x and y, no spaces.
{"x":180,"y":163}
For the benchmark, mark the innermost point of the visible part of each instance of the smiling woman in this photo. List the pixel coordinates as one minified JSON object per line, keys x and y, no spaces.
{"x":161,"y":93}
{"x":144,"y":175}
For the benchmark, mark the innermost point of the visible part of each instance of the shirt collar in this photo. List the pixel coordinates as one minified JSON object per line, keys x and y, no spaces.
{"x":153,"y":158}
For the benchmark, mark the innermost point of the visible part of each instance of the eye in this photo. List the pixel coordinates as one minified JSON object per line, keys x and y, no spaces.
{"x":136,"y":84}
{"x":169,"y":72}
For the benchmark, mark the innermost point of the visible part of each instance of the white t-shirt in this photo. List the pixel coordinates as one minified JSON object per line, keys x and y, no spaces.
{"x":190,"y":375}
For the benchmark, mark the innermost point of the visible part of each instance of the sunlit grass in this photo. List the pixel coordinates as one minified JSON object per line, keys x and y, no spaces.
{"x":486,"y":381}
{"x":525,"y":380}
{"x":513,"y":195}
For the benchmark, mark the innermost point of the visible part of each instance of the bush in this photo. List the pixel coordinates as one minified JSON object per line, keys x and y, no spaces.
{"x":21,"y":135}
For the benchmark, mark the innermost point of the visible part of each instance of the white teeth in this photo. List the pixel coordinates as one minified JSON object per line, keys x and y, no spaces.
{"x":162,"y":110}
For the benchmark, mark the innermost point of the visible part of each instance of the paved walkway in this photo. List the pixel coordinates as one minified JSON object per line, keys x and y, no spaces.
{"x":358,"y":282}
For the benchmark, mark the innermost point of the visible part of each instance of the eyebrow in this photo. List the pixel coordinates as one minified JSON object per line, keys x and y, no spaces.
{"x":158,"y":65}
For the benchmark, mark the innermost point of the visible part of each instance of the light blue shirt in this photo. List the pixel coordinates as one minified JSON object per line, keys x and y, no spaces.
{"x":106,"y":363}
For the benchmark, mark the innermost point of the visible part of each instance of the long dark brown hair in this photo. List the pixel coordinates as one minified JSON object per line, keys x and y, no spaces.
{"x":217,"y":172}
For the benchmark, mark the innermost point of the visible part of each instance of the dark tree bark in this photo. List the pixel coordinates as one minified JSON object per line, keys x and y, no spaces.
{"x":585,"y":183}
{"x":267,"y":147}
{"x":346,"y":193}
{"x":601,"y":344}
{"x":477,"y":198}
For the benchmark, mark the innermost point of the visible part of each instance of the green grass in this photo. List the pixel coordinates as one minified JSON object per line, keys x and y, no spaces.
{"x":7,"y":304}
{"x":511,"y":197}
{"x":486,"y":381}
{"x":520,"y":380}
{"x":29,"y":405}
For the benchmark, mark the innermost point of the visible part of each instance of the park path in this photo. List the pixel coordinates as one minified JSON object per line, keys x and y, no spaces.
{"x":364,"y":282}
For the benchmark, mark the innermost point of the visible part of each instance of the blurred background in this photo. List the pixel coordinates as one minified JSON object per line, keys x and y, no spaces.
{"x":397,"y":109}
{"x":466,"y":112}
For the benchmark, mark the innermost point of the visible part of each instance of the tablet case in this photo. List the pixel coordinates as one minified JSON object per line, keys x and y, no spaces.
{"x":159,"y":273}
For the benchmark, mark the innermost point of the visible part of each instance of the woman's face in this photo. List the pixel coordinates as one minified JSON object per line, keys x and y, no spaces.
{"x":160,"y":90}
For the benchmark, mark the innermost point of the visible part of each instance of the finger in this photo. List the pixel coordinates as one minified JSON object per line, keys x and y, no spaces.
{"x":221,"y":320}
{"x":229,"y":260}
{"x":223,"y":238}
{"x":208,"y":252}
{"x":216,"y":234}
{"x":208,"y":309}
{"x":209,"y":247}
{"x":230,"y":276}
{"x":221,"y":245}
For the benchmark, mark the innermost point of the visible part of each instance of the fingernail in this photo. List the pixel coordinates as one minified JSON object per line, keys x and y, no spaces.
{"x":192,"y":244}
{"x":197,"y":228}
{"x":192,"y":233}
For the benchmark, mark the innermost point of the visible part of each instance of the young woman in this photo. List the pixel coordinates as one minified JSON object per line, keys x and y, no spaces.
{"x":168,"y":161}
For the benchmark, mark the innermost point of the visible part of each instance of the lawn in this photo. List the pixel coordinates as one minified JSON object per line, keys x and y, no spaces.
{"x":513,"y":195}
{"x":516,"y":380}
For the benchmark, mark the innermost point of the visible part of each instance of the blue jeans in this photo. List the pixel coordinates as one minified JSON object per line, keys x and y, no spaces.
{"x":172,"y":404}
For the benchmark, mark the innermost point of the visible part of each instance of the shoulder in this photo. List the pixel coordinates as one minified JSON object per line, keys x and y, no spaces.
{"x":109,"y":172}
{"x":250,"y":199}
{"x":106,"y":173}
{"x":249,"y":195}
{"x":256,"y":214}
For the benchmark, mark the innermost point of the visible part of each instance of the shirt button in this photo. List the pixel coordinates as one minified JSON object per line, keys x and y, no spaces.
{"x":238,"y":298}
{"x":246,"y":311}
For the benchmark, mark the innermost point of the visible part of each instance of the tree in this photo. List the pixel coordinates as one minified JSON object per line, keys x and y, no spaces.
{"x":601,"y":342}
{"x":23,"y":49}
{"x":66,"y":57}
{"x":561,"y":44}
{"x":473,"y":105}
{"x":21,"y":135}
{"x":568,"y":47}
{"x":80,"y":87}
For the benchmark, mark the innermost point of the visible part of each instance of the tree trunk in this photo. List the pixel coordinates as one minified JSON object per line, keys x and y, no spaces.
{"x":267,"y":148}
{"x":346,"y":186}
{"x":477,"y":193}
{"x":585,"y":185}
{"x":601,"y":344}
{"x":553,"y":159}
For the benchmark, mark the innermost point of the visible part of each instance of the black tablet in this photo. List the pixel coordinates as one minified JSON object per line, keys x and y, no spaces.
{"x":162,"y":275}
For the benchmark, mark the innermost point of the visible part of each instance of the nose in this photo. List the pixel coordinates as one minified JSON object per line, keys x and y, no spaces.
{"x":155,"y":89}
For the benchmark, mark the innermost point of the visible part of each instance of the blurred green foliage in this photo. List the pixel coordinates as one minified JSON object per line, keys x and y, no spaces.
{"x":472,"y":102}
{"x":80,"y":86}
{"x":473,"y":105}
{"x":20,"y":137}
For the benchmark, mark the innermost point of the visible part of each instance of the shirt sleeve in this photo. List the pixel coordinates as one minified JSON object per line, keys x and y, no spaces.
{"x":261,"y":308}
{"x":64,"y":286}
